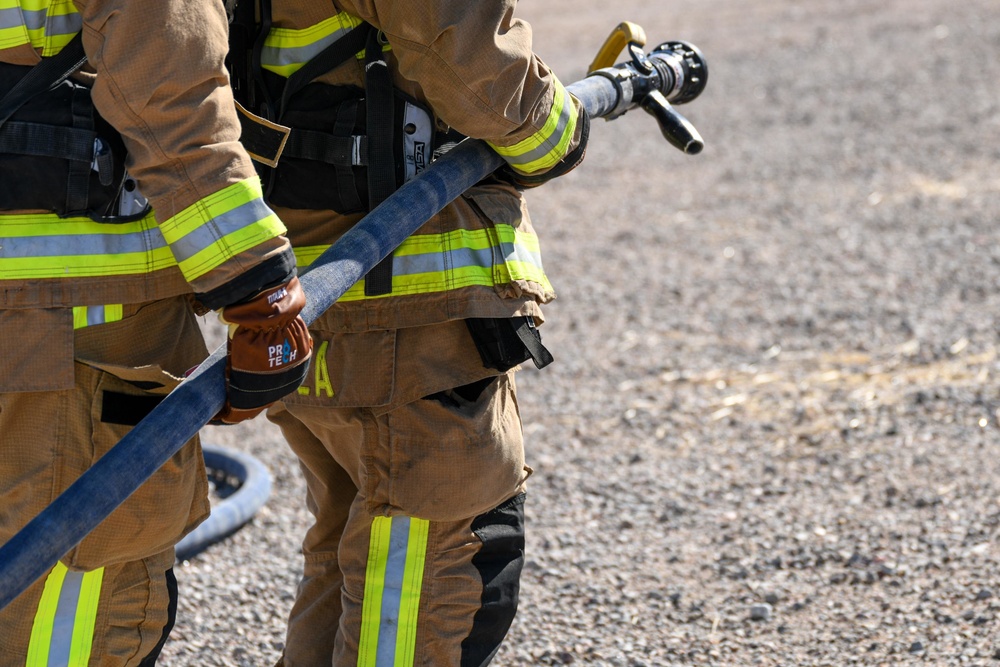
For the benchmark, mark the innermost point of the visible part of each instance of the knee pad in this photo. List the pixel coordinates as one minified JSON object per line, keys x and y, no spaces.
{"x":499,"y":561}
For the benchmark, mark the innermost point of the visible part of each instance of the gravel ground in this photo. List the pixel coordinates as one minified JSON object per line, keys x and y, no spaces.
{"x":771,"y":434}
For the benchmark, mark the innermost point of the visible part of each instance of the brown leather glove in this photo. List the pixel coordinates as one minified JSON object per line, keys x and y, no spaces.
{"x":268,"y":350}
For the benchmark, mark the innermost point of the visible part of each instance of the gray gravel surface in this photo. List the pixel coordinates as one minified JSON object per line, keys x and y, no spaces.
{"x":771,"y":434}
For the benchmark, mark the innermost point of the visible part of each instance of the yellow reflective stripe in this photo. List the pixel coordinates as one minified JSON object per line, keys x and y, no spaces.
{"x":371,"y":608}
{"x":286,"y":50}
{"x":70,"y":266}
{"x":394,"y":576}
{"x":66,"y":596}
{"x":545,"y":148}
{"x":41,"y":629}
{"x":79,"y":317}
{"x":220,"y":226}
{"x":13,"y":37}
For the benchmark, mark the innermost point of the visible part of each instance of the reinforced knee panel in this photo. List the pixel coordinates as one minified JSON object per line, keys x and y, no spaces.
{"x":499,"y":561}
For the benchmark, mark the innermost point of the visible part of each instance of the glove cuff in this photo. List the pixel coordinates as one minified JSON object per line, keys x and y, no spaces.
{"x":275,"y":270}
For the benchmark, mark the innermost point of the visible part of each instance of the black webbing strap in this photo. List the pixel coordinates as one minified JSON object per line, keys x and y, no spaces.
{"x":326,"y":60}
{"x":346,"y":121}
{"x":43,"y":76}
{"x":381,"y":163}
{"x":529,"y":335}
{"x":78,"y":177}
{"x":261,"y":95}
{"x":323,"y":147}
{"x":17,"y":138}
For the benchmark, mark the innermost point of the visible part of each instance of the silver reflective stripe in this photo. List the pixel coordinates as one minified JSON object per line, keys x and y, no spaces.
{"x":34,"y":19}
{"x":64,"y":24}
{"x":277,"y":56}
{"x":395,"y":568}
{"x":95,"y":315}
{"x":10,"y":18}
{"x":65,"y":619}
{"x":205,"y":235}
{"x":434,"y":262}
{"x":77,"y":245}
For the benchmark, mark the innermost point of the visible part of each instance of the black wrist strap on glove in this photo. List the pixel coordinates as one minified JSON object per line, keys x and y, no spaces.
{"x":273,"y":271}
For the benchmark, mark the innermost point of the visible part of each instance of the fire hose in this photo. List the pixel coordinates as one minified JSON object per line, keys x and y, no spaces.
{"x":672,"y":73}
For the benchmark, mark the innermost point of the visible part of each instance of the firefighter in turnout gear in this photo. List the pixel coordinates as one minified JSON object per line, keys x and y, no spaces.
{"x":126,"y":203}
{"x":407,"y":427}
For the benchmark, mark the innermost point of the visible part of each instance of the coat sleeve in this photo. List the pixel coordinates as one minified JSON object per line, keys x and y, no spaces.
{"x":162,"y":83}
{"x":474,"y":62}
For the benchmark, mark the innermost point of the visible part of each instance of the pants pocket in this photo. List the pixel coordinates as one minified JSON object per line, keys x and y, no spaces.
{"x":171,"y":503}
{"x":446,"y":458}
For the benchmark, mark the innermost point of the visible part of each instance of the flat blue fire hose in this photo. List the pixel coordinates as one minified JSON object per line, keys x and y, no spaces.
{"x":117,"y":474}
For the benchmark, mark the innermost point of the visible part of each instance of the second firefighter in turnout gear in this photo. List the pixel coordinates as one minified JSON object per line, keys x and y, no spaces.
{"x":407,"y":427}
{"x":125,"y":200}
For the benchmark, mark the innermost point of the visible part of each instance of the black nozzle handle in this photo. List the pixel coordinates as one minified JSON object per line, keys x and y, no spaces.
{"x":676,"y":129}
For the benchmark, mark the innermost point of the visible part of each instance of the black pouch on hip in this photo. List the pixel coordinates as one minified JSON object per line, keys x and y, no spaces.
{"x":505,"y":342}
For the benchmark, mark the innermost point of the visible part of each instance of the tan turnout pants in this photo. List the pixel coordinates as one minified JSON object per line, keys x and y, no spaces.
{"x":110,"y":601}
{"x":414,"y":463}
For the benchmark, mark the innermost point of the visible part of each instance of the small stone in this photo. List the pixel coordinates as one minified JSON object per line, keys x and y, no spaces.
{"x":761,"y":612}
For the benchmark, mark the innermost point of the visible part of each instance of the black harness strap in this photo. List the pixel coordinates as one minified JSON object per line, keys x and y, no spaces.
{"x":381,"y":162}
{"x":45,"y":75}
{"x":338,"y":151}
{"x":324,"y":61}
{"x":265,"y":107}
{"x":347,"y":116}
{"x":19,"y":138}
{"x":78,"y":180}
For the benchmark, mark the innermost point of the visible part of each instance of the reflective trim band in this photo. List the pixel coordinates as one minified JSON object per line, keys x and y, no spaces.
{"x":13,"y":31}
{"x":433,"y":263}
{"x":88,"y":316}
{"x":219,"y":227}
{"x":393,"y":579}
{"x":545,"y":148}
{"x":62,"y":634}
{"x":62,"y":25}
{"x":286,"y":51}
{"x":48,"y":25}
{"x":44,"y":245}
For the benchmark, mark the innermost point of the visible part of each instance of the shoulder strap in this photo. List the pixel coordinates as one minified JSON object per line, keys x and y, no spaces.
{"x":381,"y":161}
{"x":44,"y":76}
{"x":324,"y":61}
